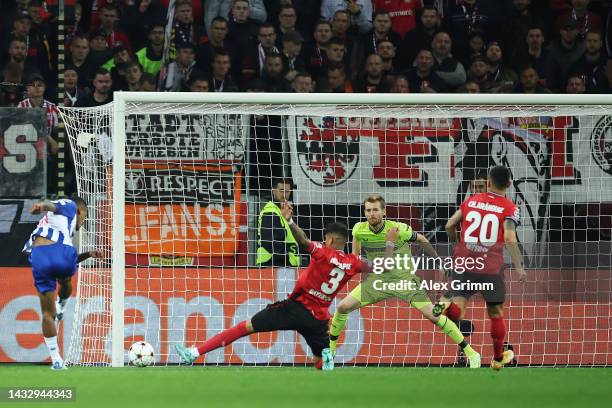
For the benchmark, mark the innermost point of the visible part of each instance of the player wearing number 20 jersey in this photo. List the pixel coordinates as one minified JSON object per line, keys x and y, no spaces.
{"x":482,"y":229}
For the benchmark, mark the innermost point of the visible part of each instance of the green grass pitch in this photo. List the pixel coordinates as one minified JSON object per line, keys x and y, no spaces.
{"x":289,"y":387}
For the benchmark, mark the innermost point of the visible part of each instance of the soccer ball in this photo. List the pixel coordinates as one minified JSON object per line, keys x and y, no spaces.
{"x":141,"y":354}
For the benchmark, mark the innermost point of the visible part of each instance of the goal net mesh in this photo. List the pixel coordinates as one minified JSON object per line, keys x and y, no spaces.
{"x":197,"y":176}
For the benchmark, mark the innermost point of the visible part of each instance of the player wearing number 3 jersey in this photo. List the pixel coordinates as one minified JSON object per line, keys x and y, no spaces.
{"x":306,"y":309}
{"x":488,"y":223}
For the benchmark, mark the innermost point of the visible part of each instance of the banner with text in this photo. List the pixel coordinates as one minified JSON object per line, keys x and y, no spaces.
{"x":418,"y":161}
{"x":23,"y":152}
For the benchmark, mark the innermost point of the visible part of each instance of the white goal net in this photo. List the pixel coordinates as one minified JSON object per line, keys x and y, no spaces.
{"x":195,"y":175}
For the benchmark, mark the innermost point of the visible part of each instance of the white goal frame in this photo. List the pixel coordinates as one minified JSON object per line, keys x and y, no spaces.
{"x":275,"y":99}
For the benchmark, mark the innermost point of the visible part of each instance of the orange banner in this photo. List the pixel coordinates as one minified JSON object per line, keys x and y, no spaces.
{"x":186,"y":211}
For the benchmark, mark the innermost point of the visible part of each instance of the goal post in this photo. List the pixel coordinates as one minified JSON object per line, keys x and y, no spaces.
{"x":181,"y":261}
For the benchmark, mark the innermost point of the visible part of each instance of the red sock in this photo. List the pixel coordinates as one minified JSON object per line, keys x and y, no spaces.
{"x":498,"y":333}
{"x":319,"y":364}
{"x":453,"y":312}
{"x":224,"y":338}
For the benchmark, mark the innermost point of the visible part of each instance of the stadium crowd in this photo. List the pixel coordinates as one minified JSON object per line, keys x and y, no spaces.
{"x":383,"y":46}
{"x":492,"y":46}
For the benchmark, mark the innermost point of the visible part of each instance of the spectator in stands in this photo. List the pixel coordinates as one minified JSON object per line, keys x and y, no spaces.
{"x":37,"y":53}
{"x":368,"y":42}
{"x":529,"y":82}
{"x":575,"y":84}
{"x":563,"y":54}
{"x":139,"y":19}
{"x":109,"y":17}
{"x":463,"y":18}
{"x":422,"y":78}
{"x":151,"y":56}
{"x":178,"y":71}
{"x":253,"y":62}
{"x":133,"y":72}
{"x":272,"y":78}
{"x":302,"y":83}
{"x":72,"y":91}
{"x":99,"y":53}
{"x":585,"y":20}
{"x":593,"y":64}
{"x":292,"y":54}
{"x":341,"y":28}
{"x":504,"y":79}
{"x":314,"y":54}
{"x":478,"y":72}
{"x":469,"y":87}
{"x":446,"y":66}
{"x":337,"y":80}
{"x":197,"y":83}
{"x":117,"y":66}
{"x":400,"y":84}
{"x":12,"y":89}
{"x":79,"y":59}
{"x":403,"y":13}
{"x":336,"y":53}
{"x":242,"y":35}
{"x":35,"y":87}
{"x":225,"y":8}
{"x":102,"y":94}
{"x":359,"y":10}
{"x":275,"y":241}
{"x":533,"y":54}
{"x":518,"y":23}
{"x":216,"y":41}
{"x":287,"y":18}
{"x":148,"y":83}
{"x":220,"y":79}
{"x":17,"y":51}
{"x":184,"y":29}
{"x":476,"y":46}
{"x":386,"y":50}
{"x":372,"y":80}
{"x":420,"y":38}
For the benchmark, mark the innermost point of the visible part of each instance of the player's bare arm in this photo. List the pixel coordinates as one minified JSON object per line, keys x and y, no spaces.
{"x":451,"y":226}
{"x":512,"y":244}
{"x":356,"y":247}
{"x":42,"y":207}
{"x":299,"y":235}
{"x":426,"y":245}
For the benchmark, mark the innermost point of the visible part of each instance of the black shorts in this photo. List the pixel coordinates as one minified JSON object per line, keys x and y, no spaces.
{"x":494,"y":296}
{"x":291,"y":315}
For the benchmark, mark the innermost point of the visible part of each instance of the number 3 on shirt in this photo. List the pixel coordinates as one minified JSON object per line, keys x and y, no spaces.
{"x":335,"y":277}
{"x":487,"y":226}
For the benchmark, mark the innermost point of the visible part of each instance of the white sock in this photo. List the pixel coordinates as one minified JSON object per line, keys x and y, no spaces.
{"x":194,"y":351}
{"x":53,"y":348}
{"x":62,"y":302}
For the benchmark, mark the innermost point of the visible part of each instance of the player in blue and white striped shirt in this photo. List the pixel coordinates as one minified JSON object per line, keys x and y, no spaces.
{"x":54,"y":260}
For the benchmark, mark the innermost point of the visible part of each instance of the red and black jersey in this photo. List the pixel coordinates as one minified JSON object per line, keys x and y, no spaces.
{"x":329,"y":270}
{"x":482,"y":231}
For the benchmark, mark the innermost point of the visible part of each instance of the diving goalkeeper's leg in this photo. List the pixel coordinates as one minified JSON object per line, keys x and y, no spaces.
{"x":344,"y":308}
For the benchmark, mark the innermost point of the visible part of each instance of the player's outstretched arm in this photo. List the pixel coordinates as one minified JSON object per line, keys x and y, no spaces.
{"x":299,"y":235}
{"x":43,"y":207}
{"x":426,"y":245}
{"x":451,"y":226}
{"x":89,"y":254}
{"x":513,"y":248}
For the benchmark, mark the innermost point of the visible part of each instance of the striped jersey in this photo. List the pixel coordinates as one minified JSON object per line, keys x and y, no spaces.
{"x":49,"y":108}
{"x":58,"y":226}
{"x":373,"y":243}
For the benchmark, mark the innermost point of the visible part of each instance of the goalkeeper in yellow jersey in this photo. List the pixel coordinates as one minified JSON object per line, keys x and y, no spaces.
{"x":369,"y":238}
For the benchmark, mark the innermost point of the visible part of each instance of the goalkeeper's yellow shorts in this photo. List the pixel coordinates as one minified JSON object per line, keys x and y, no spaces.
{"x":377,"y":288}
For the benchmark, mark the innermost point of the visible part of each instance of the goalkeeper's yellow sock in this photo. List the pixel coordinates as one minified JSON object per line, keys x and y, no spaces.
{"x":337,"y":325}
{"x":451,"y":330}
